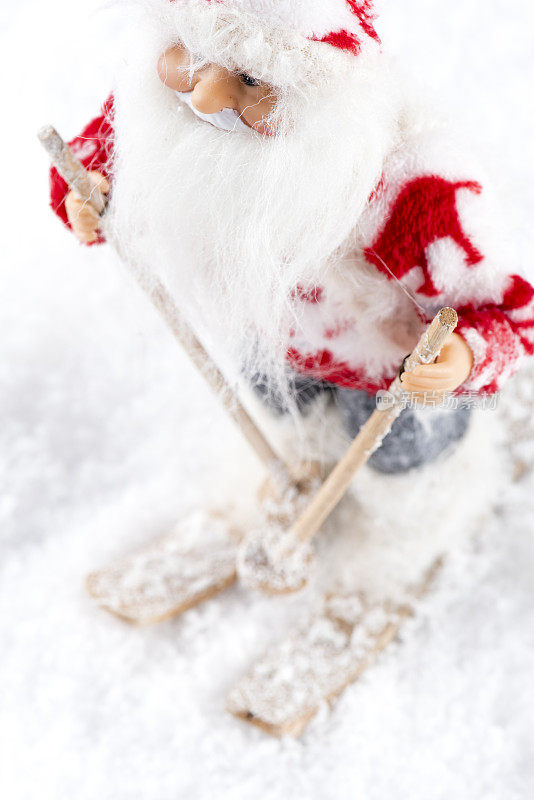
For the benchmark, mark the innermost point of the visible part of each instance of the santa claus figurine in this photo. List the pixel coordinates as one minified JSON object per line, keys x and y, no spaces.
{"x":263,"y":157}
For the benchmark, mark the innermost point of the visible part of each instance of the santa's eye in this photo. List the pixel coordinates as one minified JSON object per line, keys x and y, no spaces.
{"x":247,"y":80}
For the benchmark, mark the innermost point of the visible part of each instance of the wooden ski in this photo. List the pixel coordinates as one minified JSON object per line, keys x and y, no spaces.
{"x":194,"y":563}
{"x":317,"y":661}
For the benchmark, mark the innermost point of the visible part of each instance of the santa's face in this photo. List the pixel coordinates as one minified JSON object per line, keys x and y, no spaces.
{"x":213,"y":89}
{"x":234,"y":220}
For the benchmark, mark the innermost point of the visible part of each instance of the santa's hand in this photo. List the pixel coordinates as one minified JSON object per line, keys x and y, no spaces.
{"x":428,"y":382}
{"x":83,"y":218}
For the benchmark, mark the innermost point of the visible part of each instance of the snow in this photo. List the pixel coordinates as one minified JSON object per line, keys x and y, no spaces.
{"x":108,"y":437}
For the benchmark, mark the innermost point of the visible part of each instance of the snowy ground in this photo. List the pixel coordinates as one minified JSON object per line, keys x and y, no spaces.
{"x":105,"y":439}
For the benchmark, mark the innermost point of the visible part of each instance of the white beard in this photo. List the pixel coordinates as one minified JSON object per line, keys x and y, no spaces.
{"x":233,"y":222}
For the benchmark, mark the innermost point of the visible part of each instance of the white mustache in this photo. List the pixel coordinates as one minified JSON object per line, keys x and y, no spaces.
{"x":226,"y":120}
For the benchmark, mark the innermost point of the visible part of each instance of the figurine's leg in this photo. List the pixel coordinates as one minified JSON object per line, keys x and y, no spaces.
{"x":302,"y":389}
{"x":417,"y":437}
{"x":393,"y":526}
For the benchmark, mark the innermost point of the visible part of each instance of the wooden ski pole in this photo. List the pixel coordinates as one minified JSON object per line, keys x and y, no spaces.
{"x":371,"y":434}
{"x":78,"y":178}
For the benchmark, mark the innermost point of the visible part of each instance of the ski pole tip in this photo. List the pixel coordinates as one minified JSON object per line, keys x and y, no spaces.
{"x":46,"y":132}
{"x":50,"y":139}
{"x":448,"y":317}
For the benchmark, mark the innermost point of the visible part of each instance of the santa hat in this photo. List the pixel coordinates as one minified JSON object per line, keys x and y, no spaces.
{"x":341,"y":23}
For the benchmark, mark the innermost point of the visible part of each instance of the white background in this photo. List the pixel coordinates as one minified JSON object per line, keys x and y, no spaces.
{"x":105,"y":437}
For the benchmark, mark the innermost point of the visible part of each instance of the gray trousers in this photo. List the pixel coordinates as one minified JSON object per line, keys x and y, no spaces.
{"x":417,"y":436}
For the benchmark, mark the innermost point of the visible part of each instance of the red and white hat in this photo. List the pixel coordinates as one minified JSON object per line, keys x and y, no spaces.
{"x":341,"y":23}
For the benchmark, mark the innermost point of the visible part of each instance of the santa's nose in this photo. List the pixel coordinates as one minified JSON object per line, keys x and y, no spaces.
{"x":212,"y":91}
